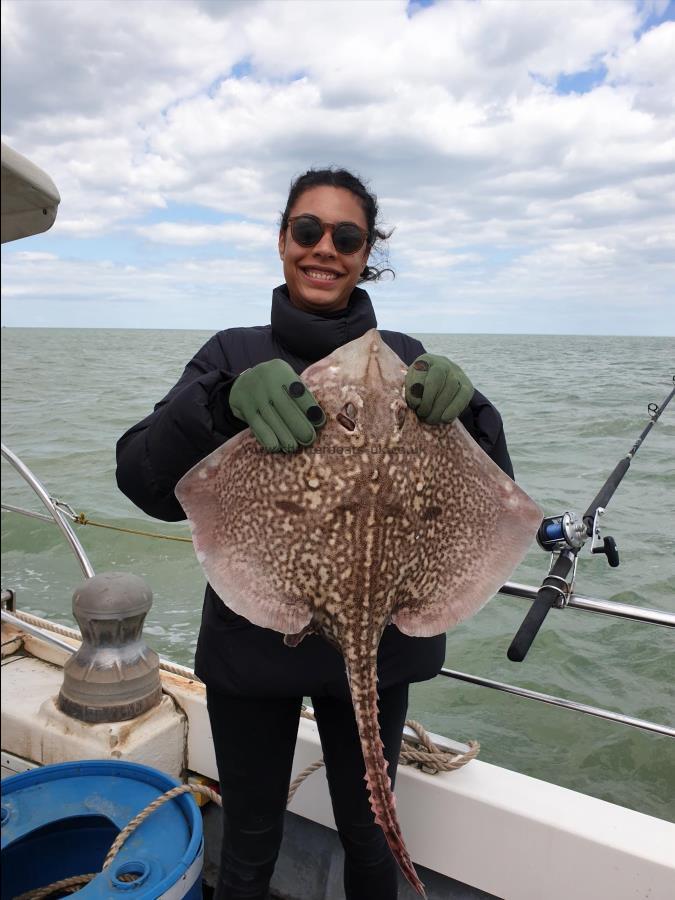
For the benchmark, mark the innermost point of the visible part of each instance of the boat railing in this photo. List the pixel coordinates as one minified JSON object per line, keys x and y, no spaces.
{"x":57,"y":513}
{"x":60,"y":513}
{"x":592,"y":605}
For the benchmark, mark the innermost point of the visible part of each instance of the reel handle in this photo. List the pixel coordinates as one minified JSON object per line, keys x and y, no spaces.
{"x":610,"y":550}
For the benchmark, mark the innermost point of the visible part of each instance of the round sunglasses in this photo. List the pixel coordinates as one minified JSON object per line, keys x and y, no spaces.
{"x":307,"y":230}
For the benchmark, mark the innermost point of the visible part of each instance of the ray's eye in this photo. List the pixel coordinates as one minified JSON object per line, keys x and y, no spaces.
{"x":347,"y":416}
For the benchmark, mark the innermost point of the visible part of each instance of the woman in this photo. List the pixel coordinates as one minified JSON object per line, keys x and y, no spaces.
{"x":254,"y":683}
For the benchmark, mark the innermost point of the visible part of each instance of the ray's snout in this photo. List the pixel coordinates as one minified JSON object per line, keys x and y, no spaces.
{"x":366,"y":361}
{"x":378,"y":365}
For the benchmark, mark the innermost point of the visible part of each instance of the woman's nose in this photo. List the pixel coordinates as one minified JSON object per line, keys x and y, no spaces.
{"x":325,"y":245}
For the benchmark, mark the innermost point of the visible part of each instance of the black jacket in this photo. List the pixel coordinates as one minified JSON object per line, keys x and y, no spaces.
{"x":194,"y":419}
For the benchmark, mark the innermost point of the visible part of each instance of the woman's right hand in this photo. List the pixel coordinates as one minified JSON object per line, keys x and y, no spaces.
{"x":281,"y":412}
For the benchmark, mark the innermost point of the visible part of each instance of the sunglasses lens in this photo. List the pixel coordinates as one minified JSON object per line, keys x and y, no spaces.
{"x":348,"y":238}
{"x":306,"y":231}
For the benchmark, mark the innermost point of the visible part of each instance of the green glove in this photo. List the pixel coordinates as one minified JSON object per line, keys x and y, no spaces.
{"x":277,"y":406}
{"x":437,"y":389}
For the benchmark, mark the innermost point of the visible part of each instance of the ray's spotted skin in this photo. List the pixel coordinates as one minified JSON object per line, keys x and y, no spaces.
{"x":384,"y":519}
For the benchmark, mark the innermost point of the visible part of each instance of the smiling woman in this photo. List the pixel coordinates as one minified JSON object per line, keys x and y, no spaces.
{"x":256,"y":681}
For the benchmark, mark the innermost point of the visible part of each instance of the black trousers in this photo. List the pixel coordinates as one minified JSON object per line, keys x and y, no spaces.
{"x":254,"y":742}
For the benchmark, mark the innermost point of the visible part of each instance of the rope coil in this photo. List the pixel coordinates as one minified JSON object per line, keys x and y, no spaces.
{"x":430,"y":758}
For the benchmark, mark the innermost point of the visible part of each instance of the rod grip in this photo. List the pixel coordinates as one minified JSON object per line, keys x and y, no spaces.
{"x":542,"y":605}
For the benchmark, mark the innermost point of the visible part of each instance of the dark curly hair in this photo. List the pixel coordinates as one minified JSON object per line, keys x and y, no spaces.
{"x":341,"y":178}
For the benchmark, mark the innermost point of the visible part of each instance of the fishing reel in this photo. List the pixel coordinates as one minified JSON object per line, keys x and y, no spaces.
{"x":570,"y":532}
{"x":563,"y":532}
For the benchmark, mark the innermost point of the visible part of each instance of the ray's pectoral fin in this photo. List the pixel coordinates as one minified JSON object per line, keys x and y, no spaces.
{"x":473,"y":565}
{"x":236,"y":560}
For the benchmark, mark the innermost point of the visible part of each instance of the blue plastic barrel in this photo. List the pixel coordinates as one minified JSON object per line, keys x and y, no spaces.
{"x":59,"y":821}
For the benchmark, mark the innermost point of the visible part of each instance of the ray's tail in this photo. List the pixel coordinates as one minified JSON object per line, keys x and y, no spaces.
{"x":363,"y":686}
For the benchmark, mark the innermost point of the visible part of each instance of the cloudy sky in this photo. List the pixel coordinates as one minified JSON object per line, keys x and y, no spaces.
{"x":523,"y":151}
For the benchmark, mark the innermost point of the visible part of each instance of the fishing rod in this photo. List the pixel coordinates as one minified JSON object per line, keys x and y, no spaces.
{"x":566,"y":535}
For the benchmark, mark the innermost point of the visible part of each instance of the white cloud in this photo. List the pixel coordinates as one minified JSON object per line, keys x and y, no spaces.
{"x":648,"y":60}
{"x":238,"y":234}
{"x":493,"y":180}
{"x":106,"y":293}
{"x":33,"y":256}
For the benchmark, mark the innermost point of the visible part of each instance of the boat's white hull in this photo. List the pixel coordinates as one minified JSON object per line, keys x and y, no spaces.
{"x":504,"y":833}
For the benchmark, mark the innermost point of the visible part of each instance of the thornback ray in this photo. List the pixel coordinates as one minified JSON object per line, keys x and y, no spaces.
{"x":383,"y":519}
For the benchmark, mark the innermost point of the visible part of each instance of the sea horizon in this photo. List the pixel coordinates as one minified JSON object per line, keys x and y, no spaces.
{"x":556,"y":334}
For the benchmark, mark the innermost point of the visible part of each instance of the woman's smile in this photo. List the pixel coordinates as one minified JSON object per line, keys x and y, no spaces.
{"x":314,"y":273}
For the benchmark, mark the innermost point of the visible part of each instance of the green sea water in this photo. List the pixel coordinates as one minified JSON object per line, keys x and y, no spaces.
{"x":572,"y":407}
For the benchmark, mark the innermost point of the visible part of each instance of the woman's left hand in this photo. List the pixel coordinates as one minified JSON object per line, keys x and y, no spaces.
{"x":437,"y":389}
